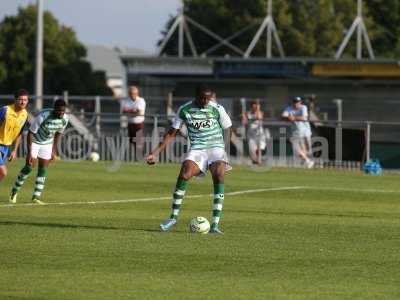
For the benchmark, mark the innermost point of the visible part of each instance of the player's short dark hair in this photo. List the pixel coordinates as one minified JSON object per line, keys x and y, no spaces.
{"x":60,"y":103}
{"x":203,"y":89}
{"x":21,"y":92}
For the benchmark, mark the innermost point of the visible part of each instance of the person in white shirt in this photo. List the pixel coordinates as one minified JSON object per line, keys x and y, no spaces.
{"x":255,"y":131}
{"x":135,"y":107}
{"x":297,"y":114}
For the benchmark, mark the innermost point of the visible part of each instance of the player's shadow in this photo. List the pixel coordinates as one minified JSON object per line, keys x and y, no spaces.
{"x":74,"y":226}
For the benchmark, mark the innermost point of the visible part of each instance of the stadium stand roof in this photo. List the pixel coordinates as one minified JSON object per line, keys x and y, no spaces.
{"x":106,"y":59}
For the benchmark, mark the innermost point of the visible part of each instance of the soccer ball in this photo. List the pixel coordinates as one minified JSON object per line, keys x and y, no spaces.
{"x":199,"y":225}
{"x":94,"y":156}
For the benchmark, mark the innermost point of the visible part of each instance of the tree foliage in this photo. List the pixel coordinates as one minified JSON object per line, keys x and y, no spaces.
{"x":64,"y":65}
{"x":306,"y":28}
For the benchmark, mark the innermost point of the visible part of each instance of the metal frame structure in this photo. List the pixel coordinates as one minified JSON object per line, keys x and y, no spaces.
{"x":269,"y":25}
{"x":230,"y":38}
{"x":362,"y":32}
{"x":181,"y":23}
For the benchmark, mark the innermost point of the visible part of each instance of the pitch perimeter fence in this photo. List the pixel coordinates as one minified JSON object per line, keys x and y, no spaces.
{"x":344,"y":145}
{"x":336,"y":144}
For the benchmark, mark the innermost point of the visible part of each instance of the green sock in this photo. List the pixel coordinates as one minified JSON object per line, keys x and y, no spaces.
{"x":177,"y":199}
{"x":218,"y":202}
{"x":22,"y":176}
{"x":39,"y":183}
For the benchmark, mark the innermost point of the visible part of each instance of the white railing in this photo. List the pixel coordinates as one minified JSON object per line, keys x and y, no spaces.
{"x":74,"y":146}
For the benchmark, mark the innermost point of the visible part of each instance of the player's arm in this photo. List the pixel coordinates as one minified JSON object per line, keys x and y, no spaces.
{"x":55,"y":144}
{"x":57,"y":136}
{"x":137,"y":111}
{"x":127,"y":110}
{"x":29,"y":140}
{"x":259,"y":114}
{"x":32,"y":130}
{"x":141,"y":109}
{"x":304,"y":115}
{"x":225,"y":122}
{"x":243,"y":118}
{"x":168,"y":138}
{"x":286,"y":116}
{"x":299,"y":118}
{"x":228,"y":132}
{"x":17,"y":142}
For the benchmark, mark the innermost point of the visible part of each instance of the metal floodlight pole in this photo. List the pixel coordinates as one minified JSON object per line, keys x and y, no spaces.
{"x":181,"y":37}
{"x":359,"y":29}
{"x":39,"y":56}
{"x":347,"y":38}
{"x":269,"y":25}
{"x":169,"y":34}
{"x":190,"y":39}
{"x":256,"y":38}
{"x":269,"y":31}
{"x":368,"y":42}
{"x":277,"y":39}
{"x":359,"y":25}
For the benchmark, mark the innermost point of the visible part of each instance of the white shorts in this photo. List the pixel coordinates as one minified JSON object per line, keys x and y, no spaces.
{"x":301,"y":144}
{"x":41,"y":151}
{"x":204,"y":158}
{"x":255,"y":144}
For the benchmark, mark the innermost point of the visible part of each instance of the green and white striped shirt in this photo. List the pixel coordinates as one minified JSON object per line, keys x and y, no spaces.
{"x":45,"y":125}
{"x":205,"y":125}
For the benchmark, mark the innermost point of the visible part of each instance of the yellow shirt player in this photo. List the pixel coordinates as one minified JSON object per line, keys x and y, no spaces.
{"x":12,"y":120}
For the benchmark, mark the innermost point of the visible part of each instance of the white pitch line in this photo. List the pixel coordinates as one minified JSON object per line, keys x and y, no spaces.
{"x":350,"y":189}
{"x":288,"y":188}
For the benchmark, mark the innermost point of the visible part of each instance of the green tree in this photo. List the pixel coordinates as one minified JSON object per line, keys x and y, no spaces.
{"x":64,"y":66}
{"x":306,"y":28}
{"x":386,"y":17}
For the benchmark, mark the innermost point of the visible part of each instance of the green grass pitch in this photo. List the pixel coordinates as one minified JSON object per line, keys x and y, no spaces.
{"x":337,"y":236}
